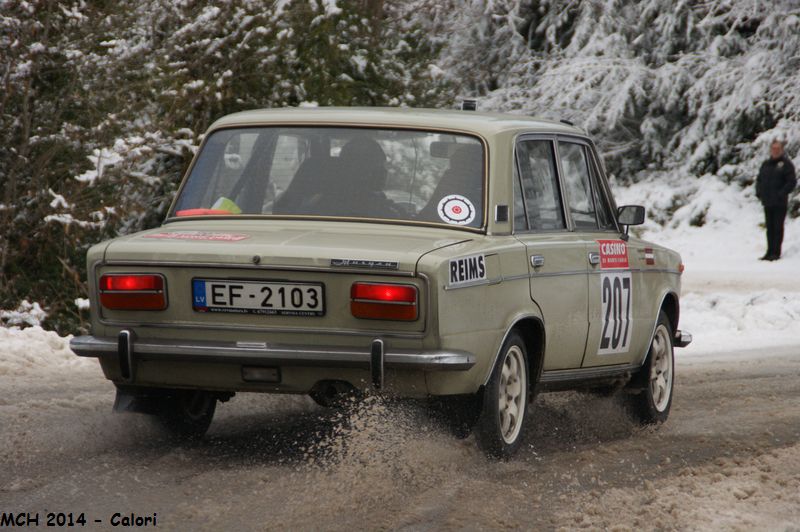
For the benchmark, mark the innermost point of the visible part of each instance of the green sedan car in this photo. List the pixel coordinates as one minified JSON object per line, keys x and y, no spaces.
{"x":472,"y":258}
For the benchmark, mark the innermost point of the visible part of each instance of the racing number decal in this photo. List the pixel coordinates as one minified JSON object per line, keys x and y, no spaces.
{"x":616,"y":297}
{"x":616,"y":307}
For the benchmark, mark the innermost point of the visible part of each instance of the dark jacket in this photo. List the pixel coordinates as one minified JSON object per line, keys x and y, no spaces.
{"x":776,"y":180}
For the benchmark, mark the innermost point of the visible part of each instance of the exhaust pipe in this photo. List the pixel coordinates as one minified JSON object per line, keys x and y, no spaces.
{"x":332,"y":393}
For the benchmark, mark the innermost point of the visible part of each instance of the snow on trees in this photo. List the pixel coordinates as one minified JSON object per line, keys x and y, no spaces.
{"x":104,"y":104}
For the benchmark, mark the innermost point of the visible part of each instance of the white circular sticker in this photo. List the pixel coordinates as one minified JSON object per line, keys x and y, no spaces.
{"x":456,"y":209}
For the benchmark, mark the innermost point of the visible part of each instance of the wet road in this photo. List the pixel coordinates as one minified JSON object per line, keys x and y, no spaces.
{"x":728,"y":458}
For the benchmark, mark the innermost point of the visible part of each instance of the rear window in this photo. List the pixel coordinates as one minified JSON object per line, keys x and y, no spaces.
{"x":386,"y":174}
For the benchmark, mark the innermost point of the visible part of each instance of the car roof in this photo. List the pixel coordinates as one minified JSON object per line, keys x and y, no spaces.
{"x":485,"y":124}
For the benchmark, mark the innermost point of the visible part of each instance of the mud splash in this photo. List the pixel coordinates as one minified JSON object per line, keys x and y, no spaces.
{"x":382,"y":463}
{"x":377,"y":456}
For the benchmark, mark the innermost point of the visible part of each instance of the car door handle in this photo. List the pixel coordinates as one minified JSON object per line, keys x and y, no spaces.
{"x":594,"y":258}
{"x":537,"y":261}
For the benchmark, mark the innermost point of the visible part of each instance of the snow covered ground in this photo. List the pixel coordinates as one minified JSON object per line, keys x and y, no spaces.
{"x":727,"y":459}
{"x":730,"y":300}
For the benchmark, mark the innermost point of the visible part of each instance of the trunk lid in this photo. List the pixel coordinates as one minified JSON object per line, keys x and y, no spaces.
{"x":290,"y":244}
{"x":333,"y":255}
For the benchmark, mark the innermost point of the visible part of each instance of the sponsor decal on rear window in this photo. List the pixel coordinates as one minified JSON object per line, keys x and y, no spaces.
{"x":456,"y":209}
{"x":198,"y":235}
{"x":613,"y":254}
{"x":467,"y":270}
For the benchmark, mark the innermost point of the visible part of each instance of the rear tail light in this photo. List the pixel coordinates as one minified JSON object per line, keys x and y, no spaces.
{"x":380,"y":301}
{"x":133,"y":292}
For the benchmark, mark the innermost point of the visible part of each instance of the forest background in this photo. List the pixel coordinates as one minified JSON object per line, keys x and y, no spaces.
{"x":103,"y":103}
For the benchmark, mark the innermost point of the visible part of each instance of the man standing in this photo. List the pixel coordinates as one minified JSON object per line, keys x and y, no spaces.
{"x":776,"y":180}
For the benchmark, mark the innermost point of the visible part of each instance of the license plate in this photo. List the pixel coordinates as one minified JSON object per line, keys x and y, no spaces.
{"x":258,"y":297}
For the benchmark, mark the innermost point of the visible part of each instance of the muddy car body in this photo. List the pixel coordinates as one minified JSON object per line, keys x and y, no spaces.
{"x":479,"y":257}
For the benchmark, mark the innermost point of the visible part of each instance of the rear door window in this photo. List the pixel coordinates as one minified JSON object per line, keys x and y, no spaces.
{"x":605,"y":217}
{"x":538,"y":184}
{"x":577,"y":183}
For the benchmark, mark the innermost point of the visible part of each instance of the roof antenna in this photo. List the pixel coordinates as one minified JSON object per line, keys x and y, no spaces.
{"x":469,"y":105}
{"x":565,"y":121}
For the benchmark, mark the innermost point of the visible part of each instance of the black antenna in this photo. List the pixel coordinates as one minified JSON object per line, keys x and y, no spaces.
{"x":564,"y":121}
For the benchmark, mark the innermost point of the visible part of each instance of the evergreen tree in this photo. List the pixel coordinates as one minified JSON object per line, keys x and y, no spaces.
{"x":106,"y":102}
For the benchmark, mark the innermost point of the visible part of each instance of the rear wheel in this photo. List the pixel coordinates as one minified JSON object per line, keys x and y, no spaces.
{"x":653,"y":403}
{"x":501,"y":424}
{"x":186,"y":414}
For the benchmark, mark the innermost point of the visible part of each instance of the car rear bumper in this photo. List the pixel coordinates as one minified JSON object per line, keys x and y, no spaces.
{"x":375,"y":356}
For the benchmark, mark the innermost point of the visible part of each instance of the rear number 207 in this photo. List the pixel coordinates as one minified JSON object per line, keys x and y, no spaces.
{"x":616,"y":298}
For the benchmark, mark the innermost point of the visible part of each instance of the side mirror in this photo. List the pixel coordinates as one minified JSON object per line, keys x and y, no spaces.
{"x":630,"y":215}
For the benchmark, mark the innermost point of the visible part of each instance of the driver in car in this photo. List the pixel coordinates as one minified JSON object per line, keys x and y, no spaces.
{"x":355,"y":184}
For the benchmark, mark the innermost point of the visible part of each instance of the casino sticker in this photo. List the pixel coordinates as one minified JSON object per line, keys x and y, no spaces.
{"x":456,"y":209}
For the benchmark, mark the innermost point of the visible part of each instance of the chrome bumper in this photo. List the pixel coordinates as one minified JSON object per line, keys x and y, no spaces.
{"x":682,"y":339}
{"x":272,"y":354}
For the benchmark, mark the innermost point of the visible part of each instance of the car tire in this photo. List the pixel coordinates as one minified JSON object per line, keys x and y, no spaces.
{"x":186,"y":414}
{"x":655,"y":380}
{"x":502,"y":421}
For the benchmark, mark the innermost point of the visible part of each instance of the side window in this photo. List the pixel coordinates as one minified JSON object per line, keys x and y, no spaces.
{"x":540,"y":191}
{"x":520,"y":220}
{"x":605,"y":217}
{"x":575,"y":176}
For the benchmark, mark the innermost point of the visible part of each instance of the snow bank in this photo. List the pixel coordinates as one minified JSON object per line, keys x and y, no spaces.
{"x":728,"y":321}
{"x":33,"y":350}
{"x":715,"y":226}
{"x":26,"y":313}
{"x":731,"y":300}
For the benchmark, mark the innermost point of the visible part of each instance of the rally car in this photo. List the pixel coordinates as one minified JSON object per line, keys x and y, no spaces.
{"x":474,"y":257}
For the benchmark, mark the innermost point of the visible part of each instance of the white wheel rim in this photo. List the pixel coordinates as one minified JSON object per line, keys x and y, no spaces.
{"x":661,"y":369}
{"x":512,"y":391}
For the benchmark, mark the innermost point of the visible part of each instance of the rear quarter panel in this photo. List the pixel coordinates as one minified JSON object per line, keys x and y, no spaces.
{"x":476,"y":316}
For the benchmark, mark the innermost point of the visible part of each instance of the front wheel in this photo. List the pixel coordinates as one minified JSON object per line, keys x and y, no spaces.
{"x":186,"y":414}
{"x":653,"y":403}
{"x":501,"y":424}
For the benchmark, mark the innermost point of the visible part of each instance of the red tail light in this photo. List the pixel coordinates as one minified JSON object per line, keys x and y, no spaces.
{"x":133,"y":292}
{"x":379,"y":301}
